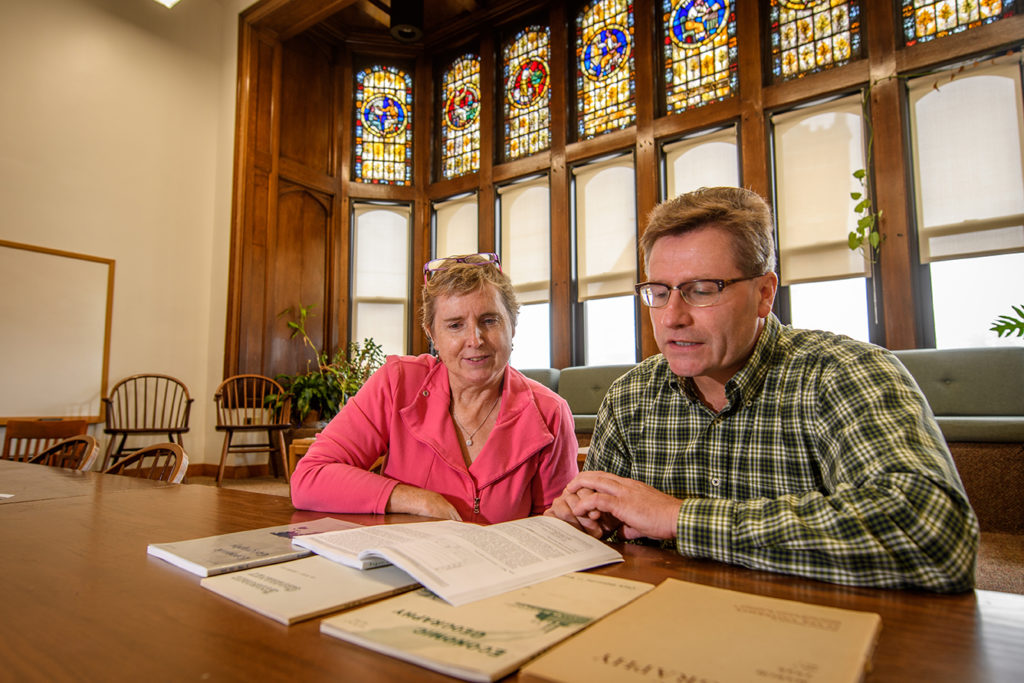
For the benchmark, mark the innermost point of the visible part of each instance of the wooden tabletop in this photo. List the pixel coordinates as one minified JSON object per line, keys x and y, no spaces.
{"x":81,"y":600}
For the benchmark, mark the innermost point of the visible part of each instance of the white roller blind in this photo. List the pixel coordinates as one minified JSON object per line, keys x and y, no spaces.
{"x":457,"y":227}
{"x":381,"y":275}
{"x":817,"y":151}
{"x":526,"y":239}
{"x":708,"y":160}
{"x":606,"y":228}
{"x":969,"y":161}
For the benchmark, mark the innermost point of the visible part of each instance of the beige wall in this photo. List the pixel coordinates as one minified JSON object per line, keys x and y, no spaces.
{"x":116,"y":140}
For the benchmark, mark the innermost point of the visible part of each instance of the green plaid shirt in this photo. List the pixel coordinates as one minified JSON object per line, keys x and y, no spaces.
{"x":826,"y":462}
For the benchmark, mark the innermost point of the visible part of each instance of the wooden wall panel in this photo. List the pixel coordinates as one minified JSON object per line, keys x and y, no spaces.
{"x":307,"y":105}
{"x":296,"y":276}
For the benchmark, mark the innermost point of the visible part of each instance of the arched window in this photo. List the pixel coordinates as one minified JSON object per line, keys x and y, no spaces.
{"x":383,"y":126}
{"x":700,"y":52}
{"x":527,"y":78}
{"x":812,"y":35}
{"x":460,"y":117}
{"x":605,"y":85}
{"x":923,"y":21}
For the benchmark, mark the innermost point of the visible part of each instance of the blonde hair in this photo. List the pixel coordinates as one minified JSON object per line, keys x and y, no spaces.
{"x":464,"y":278}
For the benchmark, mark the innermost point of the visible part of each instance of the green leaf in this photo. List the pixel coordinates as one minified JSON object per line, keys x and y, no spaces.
{"x":865,"y":204}
{"x":855,"y":195}
{"x":859,"y":174}
{"x":854,"y":240}
{"x":874,"y":238}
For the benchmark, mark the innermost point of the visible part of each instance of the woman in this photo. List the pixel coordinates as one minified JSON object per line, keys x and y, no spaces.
{"x":464,"y":435}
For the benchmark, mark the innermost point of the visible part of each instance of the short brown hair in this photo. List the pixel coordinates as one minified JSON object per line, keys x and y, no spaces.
{"x":741,"y":213}
{"x":464,"y":278}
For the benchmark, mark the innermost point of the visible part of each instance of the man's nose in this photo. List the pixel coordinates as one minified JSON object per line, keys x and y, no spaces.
{"x":677,"y":312}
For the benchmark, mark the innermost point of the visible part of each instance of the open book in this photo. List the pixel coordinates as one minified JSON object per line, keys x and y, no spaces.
{"x":462,"y":562}
{"x":687,"y":631}
{"x":301,"y":589}
{"x":212,"y":555}
{"x":489,"y":638}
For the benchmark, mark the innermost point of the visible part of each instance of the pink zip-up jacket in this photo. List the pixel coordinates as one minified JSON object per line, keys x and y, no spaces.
{"x":402,"y":411}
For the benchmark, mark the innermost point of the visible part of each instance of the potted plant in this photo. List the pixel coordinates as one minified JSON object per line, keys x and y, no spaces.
{"x":319,"y":392}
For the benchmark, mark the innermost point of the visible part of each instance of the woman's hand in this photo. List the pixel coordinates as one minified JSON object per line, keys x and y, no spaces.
{"x":416,"y":501}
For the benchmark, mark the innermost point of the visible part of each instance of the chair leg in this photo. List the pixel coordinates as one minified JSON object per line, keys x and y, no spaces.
{"x":223,"y":457}
{"x":106,"y":454}
{"x":282,"y":452}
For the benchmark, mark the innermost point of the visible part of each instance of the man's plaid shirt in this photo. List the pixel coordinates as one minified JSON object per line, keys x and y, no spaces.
{"x":826,"y":462}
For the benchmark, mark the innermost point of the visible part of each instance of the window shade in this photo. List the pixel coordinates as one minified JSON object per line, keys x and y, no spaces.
{"x":606,"y":228}
{"x":526,"y":239}
{"x":380,"y":275}
{"x":456,"y":227}
{"x":709,"y":160}
{"x":817,"y":149}
{"x":969,"y":161}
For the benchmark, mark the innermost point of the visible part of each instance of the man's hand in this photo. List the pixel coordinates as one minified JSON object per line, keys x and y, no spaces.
{"x":608,"y":501}
{"x":416,"y":501}
{"x":596,"y":524}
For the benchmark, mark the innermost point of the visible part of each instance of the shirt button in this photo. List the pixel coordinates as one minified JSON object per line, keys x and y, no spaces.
{"x":426,"y":393}
{"x":714,"y":481}
{"x":750,"y":403}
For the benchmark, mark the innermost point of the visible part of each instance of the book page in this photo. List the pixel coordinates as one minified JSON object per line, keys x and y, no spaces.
{"x":462,"y":562}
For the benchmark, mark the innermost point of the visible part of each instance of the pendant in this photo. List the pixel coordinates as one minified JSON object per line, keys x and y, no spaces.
{"x":469,"y":442}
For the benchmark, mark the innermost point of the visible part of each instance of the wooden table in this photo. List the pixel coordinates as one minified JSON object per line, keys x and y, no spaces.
{"x":81,"y":600}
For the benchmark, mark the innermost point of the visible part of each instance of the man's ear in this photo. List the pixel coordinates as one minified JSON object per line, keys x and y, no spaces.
{"x":768,"y":285}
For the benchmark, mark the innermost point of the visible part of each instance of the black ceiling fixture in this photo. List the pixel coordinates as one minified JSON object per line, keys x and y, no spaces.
{"x":407,"y":20}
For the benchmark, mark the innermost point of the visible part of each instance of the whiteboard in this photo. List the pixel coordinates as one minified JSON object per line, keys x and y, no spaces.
{"x":55,"y":309}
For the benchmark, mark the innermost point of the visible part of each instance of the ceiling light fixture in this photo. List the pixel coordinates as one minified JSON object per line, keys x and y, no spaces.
{"x":168,"y":3}
{"x":407,"y":20}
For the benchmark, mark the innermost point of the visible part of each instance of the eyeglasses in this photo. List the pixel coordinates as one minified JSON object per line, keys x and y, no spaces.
{"x":699,"y":293}
{"x":437,"y":265}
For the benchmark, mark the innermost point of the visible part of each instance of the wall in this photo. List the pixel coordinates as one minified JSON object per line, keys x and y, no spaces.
{"x":116,"y":140}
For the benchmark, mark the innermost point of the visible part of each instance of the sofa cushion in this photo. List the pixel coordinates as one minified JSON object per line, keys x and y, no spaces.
{"x":975,"y":381}
{"x":584,"y":386}
{"x":546,"y":376}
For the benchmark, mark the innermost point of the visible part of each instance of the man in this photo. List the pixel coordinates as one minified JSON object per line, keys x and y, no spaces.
{"x":752,"y":443}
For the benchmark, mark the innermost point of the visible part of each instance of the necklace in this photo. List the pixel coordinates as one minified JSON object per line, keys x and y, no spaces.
{"x":469,"y":438}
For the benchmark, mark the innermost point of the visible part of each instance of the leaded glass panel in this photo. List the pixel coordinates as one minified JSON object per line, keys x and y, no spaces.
{"x":700,"y":52}
{"x":460,"y":118}
{"x":812,"y":36}
{"x":383,"y":127}
{"x":527,"y":78}
{"x":925,"y":20}
{"x":605,"y":85}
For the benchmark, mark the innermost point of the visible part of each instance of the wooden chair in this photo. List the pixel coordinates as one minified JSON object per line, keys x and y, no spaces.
{"x":24,"y":439}
{"x":75,"y":453}
{"x":159,"y":462}
{"x":242,"y":408}
{"x":145,"y":404}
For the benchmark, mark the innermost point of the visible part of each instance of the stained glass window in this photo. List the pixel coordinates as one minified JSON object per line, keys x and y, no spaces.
{"x":813,"y":35}
{"x":924,"y":20}
{"x":700,"y":52}
{"x":527,"y":92}
{"x":383,"y":112}
{"x":460,"y":119}
{"x":605,"y":86}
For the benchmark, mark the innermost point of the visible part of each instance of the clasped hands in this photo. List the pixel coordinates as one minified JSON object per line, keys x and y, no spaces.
{"x":600,"y":503}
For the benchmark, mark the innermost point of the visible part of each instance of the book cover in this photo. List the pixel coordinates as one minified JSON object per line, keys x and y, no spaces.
{"x":687,"y":631}
{"x":293,"y":591}
{"x":489,"y":638}
{"x":462,"y":562}
{"x":223,"y":553}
